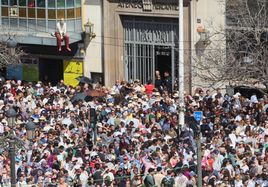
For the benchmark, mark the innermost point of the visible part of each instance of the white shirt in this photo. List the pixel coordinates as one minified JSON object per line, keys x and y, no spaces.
{"x":181,"y":181}
{"x":238,"y":183}
{"x":84,"y":177}
{"x":61,"y":28}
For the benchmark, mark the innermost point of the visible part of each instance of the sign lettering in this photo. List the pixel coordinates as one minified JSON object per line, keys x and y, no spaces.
{"x":146,"y":5}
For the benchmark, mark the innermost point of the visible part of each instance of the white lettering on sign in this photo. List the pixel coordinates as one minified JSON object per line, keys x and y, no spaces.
{"x":146,"y":5}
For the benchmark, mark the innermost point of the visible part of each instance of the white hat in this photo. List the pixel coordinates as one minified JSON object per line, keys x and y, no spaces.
{"x":176,"y":95}
{"x":36,"y":120}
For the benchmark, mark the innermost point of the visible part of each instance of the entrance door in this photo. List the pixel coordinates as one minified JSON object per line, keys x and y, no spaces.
{"x":51,"y":70}
{"x":163,"y":60}
{"x":149,"y":45}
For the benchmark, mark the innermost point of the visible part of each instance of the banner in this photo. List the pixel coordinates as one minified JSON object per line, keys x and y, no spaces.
{"x":71,"y":70}
{"x":30,"y":72}
{"x":27,"y":72}
{"x":15,"y":72}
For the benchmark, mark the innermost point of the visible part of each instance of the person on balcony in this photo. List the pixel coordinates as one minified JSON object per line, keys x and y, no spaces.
{"x":62,"y":35}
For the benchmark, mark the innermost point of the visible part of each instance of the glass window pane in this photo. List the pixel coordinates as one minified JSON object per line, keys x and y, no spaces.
{"x":41,"y":3}
{"x":51,"y":26}
{"x":78,"y":12}
{"x":51,"y":14}
{"x":60,"y":13}
{"x":31,"y":12}
{"x":31,"y":3}
{"x":23,"y":24}
{"x":13,"y":2}
{"x":13,"y":22}
{"x":70,"y":13}
{"x":31,"y":24}
{"x":41,"y":25}
{"x":61,"y":4}
{"x":78,"y":25}
{"x":70,"y":25}
{"x":4,"y":2}
{"x":41,"y":13}
{"x":4,"y":11}
{"x":51,"y":3}
{"x":70,"y":3}
{"x":22,"y":2}
{"x":77,"y":3}
{"x":5,"y":21}
{"x":22,"y":12}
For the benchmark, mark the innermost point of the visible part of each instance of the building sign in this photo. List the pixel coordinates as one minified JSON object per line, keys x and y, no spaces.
{"x":146,"y":5}
{"x":72,"y":70}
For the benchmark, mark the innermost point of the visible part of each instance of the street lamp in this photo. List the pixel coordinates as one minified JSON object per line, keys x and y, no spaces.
{"x":11,"y":117}
{"x":11,"y":45}
{"x":89,"y":30}
{"x":30,"y":130}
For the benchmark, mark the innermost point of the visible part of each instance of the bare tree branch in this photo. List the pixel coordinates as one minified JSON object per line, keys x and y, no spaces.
{"x":238,"y":53}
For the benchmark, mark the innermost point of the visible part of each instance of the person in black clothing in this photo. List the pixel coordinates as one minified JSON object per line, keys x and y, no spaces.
{"x":167,"y":82}
{"x":97,"y":175}
{"x":120,"y":178}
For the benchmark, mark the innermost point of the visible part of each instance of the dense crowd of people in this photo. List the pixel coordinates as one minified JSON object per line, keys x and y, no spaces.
{"x":130,"y":136}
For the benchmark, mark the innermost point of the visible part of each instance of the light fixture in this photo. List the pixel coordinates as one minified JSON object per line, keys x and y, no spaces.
{"x":11,"y":117}
{"x":89,"y":30}
{"x":30,"y":130}
{"x":80,"y":52}
{"x":11,"y":45}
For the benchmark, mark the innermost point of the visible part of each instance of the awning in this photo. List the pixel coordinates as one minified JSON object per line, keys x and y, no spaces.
{"x":40,"y":38}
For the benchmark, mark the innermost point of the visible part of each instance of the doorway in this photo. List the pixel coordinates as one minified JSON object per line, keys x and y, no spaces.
{"x":163,"y":59}
{"x":149,"y":45}
{"x":51,"y":70}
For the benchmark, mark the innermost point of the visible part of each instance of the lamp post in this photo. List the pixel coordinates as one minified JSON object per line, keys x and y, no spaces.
{"x":11,"y":117}
{"x":11,"y":45}
{"x":181,"y":67}
{"x":30,"y":130}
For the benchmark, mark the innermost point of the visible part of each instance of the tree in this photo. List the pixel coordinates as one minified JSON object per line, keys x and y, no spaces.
{"x":238,"y":53}
{"x":8,"y":55}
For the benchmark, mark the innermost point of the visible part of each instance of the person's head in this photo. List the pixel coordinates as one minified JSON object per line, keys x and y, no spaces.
{"x":62,"y":21}
{"x":166,"y":74}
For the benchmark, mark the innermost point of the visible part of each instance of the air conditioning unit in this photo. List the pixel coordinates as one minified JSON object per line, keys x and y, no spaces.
{"x":13,"y":12}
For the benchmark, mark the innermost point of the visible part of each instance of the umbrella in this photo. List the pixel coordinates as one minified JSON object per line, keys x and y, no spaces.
{"x":83,"y":79}
{"x":95,"y":93}
{"x":79,"y":96}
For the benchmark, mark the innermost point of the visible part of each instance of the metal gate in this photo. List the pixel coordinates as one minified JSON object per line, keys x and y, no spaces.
{"x":141,"y":36}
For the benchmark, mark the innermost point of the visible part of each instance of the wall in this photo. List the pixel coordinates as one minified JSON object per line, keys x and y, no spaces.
{"x":93,"y":57}
{"x":211,"y":14}
{"x":113,"y":32}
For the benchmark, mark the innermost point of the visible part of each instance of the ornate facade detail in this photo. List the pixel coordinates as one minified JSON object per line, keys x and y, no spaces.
{"x":147,"y":5}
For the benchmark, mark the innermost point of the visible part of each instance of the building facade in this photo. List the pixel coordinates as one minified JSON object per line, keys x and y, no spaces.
{"x":141,"y":37}
{"x":32,"y":24}
{"x":133,"y":38}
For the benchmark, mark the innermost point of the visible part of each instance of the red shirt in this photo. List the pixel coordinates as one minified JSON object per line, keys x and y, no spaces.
{"x":149,"y":88}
